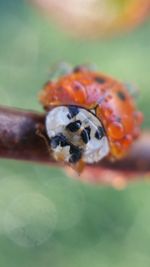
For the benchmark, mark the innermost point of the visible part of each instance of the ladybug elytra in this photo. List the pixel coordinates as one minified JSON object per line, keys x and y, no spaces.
{"x":89,"y":116}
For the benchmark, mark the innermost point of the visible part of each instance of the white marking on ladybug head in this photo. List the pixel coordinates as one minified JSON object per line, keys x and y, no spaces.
{"x":75,"y":133}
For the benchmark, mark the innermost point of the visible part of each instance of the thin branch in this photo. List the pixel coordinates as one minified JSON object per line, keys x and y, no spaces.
{"x":19,"y":140}
{"x":18,"y":136}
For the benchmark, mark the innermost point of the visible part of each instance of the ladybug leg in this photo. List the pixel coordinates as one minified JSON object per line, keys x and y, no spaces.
{"x":85,"y":67}
{"x":60,"y":69}
{"x":132,"y":89}
{"x":78,"y":167}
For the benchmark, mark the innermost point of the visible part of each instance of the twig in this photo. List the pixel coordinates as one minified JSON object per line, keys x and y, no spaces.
{"x":19,"y":140}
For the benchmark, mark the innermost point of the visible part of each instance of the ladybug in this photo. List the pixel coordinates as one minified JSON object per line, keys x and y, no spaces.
{"x":89,"y":116}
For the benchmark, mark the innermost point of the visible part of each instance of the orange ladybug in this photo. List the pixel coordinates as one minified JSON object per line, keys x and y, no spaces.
{"x":89,"y":116}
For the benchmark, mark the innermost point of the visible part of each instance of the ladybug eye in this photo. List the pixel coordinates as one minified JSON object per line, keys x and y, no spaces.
{"x":76,"y":133}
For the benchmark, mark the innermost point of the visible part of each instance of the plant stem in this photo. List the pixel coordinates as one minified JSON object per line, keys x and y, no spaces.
{"x":19,"y":140}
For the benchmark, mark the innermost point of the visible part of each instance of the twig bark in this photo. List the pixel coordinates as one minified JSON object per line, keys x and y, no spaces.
{"x":19,"y":140}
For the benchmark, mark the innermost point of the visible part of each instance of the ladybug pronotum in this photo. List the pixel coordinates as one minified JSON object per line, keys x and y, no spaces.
{"x":89,"y":116}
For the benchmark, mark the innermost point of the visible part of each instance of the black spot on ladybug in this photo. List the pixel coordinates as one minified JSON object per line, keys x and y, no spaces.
{"x":100,"y":80}
{"x":76,"y":154}
{"x":74,"y":149}
{"x":85,"y":135}
{"x":118,"y":119}
{"x":99,"y":133}
{"x":73,"y":111}
{"x":74,"y":126}
{"x":121,"y":95}
{"x":57,"y":140}
{"x":77,"y":86}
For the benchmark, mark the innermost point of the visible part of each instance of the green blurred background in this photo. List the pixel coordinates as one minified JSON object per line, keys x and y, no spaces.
{"x":47,"y":219}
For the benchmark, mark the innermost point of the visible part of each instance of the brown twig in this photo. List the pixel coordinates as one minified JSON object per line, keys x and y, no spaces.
{"x":19,"y":140}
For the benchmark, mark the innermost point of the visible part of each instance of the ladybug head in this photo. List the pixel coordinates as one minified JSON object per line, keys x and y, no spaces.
{"x":76,"y":134}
